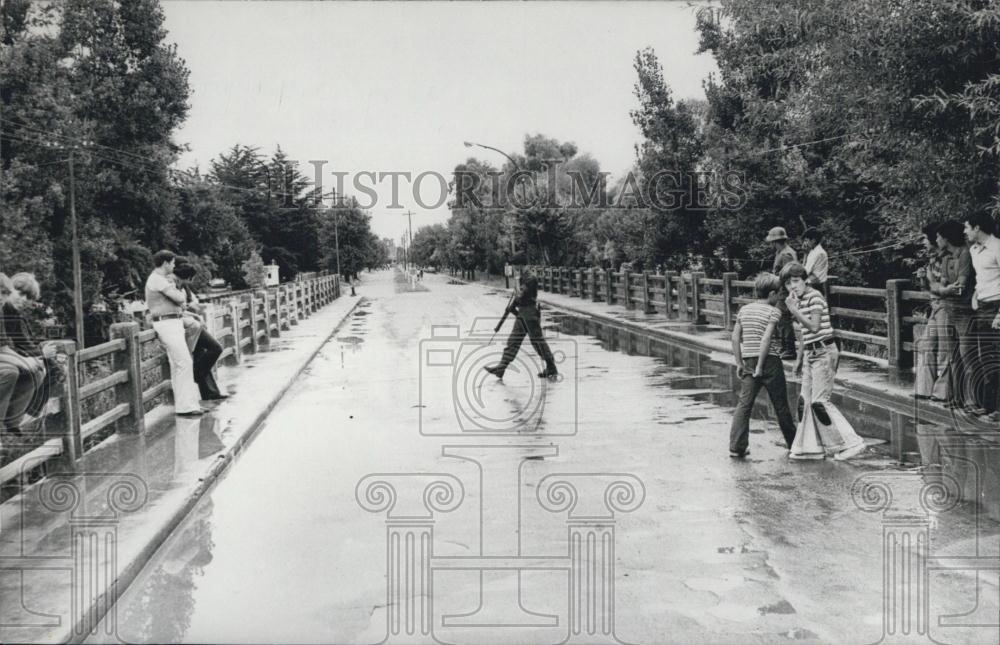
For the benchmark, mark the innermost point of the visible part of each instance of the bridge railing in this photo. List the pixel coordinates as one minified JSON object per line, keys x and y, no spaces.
{"x":872,"y":323}
{"x":111,"y":387}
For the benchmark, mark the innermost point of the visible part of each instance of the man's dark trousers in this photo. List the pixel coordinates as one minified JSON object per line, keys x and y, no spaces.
{"x":984,"y":378}
{"x":773,"y":379}
{"x":528,"y":322}
{"x":206,"y":351}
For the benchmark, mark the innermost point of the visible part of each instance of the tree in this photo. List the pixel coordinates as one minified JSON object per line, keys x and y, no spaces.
{"x":254,"y":273}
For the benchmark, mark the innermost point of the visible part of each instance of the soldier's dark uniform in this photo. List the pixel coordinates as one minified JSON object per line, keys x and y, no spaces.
{"x":528,"y":322}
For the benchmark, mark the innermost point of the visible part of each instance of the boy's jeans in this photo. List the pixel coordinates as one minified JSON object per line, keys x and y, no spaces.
{"x":773,"y":379}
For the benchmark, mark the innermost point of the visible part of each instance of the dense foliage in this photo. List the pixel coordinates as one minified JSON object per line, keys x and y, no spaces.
{"x":94,"y":80}
{"x":865,"y":119}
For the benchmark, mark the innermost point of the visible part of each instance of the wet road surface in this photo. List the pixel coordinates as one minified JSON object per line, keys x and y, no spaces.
{"x":704,"y":549}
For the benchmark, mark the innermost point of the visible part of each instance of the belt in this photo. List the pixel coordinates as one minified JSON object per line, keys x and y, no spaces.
{"x":816,"y":344}
{"x":167,"y":317}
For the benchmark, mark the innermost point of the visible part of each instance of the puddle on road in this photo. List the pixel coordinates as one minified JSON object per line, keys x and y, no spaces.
{"x":693,"y":374}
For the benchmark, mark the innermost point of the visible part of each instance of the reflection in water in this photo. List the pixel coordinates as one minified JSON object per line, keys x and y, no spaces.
{"x":713,"y":381}
{"x":163,"y":612}
{"x":973,"y":461}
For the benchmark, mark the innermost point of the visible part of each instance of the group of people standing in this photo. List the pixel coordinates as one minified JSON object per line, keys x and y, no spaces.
{"x":958,"y":356}
{"x":177,"y":317}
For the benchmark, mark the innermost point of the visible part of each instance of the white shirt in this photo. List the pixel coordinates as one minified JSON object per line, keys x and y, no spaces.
{"x":817,"y":265}
{"x":986,"y":262}
{"x":162,"y":295}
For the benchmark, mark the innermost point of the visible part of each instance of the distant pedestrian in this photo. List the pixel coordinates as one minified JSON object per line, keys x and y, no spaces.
{"x":934,"y":347}
{"x":165,"y":303}
{"x":756,"y":352}
{"x":783,"y":254}
{"x":821,"y":424}
{"x":957,"y":284}
{"x":527,"y":322}
{"x":980,"y":229}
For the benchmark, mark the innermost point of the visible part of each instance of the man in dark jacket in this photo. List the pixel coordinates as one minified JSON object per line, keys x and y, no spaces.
{"x":528,"y":321}
{"x":206,"y":349}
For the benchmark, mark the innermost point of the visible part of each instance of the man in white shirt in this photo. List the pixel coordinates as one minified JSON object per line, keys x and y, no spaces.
{"x":817,"y":262}
{"x":980,"y":230}
{"x":165,"y":302}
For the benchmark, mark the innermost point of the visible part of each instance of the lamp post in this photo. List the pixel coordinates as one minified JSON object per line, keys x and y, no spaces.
{"x":516,"y":166}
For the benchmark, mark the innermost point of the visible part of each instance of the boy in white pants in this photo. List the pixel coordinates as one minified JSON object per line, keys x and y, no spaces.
{"x":821,"y":424}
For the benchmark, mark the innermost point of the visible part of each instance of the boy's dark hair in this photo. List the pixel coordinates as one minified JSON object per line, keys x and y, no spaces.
{"x":813,"y":234}
{"x":765,"y":283}
{"x":983,"y":221}
{"x":792,"y":270}
{"x":184,"y":271}
{"x":952,"y":232}
{"x":931,"y":230}
{"x":161,"y":257}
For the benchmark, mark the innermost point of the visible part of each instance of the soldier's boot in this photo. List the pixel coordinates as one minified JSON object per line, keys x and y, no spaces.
{"x":496,"y":370}
{"x":550,"y":370}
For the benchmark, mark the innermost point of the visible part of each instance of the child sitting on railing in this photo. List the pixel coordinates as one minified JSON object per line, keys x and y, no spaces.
{"x":23,"y":360}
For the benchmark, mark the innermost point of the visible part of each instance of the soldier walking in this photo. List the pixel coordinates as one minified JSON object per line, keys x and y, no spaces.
{"x":527,"y":321}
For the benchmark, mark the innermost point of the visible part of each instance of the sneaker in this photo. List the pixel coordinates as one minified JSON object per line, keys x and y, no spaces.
{"x":736,"y":454}
{"x":853,"y":451}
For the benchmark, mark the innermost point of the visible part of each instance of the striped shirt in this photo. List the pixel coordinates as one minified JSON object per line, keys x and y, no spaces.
{"x":754,"y":318}
{"x":812,"y":301}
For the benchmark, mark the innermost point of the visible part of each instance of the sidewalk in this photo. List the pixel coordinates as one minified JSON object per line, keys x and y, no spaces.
{"x":72,"y":543}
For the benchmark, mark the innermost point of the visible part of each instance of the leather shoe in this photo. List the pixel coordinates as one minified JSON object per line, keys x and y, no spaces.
{"x":218,"y":397}
{"x":192,"y":413}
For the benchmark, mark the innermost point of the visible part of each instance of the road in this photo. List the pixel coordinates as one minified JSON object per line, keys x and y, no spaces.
{"x":694,"y":546}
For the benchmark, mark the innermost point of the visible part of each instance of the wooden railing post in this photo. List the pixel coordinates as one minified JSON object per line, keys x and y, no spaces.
{"x":668,"y":294}
{"x":647,"y":308}
{"x":696,"y":287}
{"x":234,"y":308}
{"x":683,"y":308}
{"x":626,"y":280}
{"x":609,"y":294}
{"x":894,"y":316}
{"x":593,"y":285}
{"x":727,"y":298}
{"x":72,"y":439}
{"x":130,"y":392}
{"x":251,"y":303}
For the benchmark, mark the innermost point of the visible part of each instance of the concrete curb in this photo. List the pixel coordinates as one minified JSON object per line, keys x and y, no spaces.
{"x":127,"y":573}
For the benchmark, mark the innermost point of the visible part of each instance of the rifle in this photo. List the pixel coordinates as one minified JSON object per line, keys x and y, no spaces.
{"x":506,"y":312}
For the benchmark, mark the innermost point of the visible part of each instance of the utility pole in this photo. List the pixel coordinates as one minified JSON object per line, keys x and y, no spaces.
{"x":77,"y":280}
{"x":337,"y":201}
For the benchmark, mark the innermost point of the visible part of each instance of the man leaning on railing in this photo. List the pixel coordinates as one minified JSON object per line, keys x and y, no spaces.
{"x":165,"y":302}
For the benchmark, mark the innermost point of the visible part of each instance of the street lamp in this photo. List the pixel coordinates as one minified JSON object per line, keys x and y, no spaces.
{"x":517,"y":167}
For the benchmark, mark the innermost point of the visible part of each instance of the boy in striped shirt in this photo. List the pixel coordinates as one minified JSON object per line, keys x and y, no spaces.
{"x":757,"y":353}
{"x":821,"y":424}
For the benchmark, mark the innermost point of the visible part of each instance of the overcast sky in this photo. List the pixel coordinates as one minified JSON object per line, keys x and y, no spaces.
{"x":393,"y":86}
